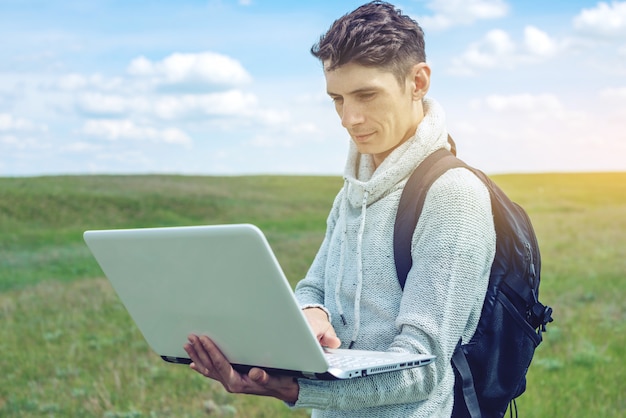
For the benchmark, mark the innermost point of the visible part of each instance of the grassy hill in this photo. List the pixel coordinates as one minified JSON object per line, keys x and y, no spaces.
{"x":70,"y":349}
{"x":42,"y":219}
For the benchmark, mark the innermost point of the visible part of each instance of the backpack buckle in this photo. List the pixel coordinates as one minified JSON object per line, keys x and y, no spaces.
{"x":539,"y":316}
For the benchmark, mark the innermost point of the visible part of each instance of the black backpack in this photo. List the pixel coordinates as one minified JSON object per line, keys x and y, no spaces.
{"x":490,"y":370}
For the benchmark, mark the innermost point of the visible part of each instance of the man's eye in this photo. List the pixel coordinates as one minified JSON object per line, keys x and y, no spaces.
{"x":337,"y":100}
{"x":367,"y":96}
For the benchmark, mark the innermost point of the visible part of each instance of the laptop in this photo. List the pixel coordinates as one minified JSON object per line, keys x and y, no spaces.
{"x":225,"y":282}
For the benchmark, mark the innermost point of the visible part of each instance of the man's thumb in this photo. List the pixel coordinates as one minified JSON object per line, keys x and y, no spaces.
{"x":258,"y":375}
{"x":331,"y":341}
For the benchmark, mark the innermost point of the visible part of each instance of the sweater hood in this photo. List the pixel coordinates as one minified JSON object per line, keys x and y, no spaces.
{"x":360,"y":175}
{"x":365,"y":184}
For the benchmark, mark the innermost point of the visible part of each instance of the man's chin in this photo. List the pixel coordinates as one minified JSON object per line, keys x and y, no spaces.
{"x":363,"y":148}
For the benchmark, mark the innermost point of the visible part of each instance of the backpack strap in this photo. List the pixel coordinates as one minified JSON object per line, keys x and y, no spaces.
{"x":411,"y":203}
{"x":409,"y":210}
{"x":465,"y":384}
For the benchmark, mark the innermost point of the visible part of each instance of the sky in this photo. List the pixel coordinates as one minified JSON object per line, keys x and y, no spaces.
{"x":229,"y":87}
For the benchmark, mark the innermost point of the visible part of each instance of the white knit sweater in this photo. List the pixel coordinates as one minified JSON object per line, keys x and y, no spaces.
{"x":353,"y":276}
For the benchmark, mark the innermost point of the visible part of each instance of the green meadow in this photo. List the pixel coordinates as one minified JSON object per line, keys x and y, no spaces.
{"x":69,"y":348}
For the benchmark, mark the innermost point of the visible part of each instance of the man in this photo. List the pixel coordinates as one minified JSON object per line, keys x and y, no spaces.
{"x":377,"y":76}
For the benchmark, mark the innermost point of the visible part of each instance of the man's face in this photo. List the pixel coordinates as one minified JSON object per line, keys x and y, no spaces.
{"x":377,"y":111}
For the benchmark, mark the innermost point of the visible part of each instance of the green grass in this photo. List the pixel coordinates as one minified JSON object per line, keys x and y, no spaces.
{"x":70,"y":349}
{"x":42,"y":219}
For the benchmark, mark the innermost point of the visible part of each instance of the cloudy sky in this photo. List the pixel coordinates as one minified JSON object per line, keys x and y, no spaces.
{"x":229,"y":87}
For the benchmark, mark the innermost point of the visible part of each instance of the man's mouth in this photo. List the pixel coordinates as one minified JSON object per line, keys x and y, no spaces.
{"x":362,"y":137}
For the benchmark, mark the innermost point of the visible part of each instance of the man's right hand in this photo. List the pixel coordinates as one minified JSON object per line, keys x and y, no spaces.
{"x":322,"y":328}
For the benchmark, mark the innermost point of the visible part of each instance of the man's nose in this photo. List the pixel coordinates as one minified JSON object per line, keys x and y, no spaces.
{"x":351,"y":115}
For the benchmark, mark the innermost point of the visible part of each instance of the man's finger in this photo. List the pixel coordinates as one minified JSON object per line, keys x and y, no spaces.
{"x":218,"y":362}
{"x":193,"y":355}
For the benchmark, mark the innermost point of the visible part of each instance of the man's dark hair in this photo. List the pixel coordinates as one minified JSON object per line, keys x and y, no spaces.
{"x":376,"y":34}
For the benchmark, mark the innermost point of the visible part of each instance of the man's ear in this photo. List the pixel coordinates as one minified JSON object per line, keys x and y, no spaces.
{"x":420,"y":80}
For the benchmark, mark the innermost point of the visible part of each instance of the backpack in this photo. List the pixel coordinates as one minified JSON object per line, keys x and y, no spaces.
{"x":490,"y":370}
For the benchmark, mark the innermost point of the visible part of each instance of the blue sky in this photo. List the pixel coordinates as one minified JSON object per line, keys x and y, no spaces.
{"x":229,"y":86}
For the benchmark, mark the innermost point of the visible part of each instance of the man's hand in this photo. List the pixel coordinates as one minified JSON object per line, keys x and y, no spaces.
{"x":209,"y":361}
{"x":323,"y":330}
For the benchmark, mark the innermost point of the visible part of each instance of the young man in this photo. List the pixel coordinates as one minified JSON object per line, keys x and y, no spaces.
{"x":377,"y":77}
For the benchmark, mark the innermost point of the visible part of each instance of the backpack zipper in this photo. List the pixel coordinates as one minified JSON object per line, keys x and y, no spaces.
{"x":531,"y":266}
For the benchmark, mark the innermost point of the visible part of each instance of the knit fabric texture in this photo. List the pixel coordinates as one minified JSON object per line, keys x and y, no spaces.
{"x":353,"y":277}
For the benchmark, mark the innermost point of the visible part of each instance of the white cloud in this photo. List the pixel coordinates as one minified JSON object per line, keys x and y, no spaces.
{"x":141,"y":96}
{"x":539,"y":105}
{"x":271,"y":141}
{"x":206,"y":68}
{"x":448,"y":13}
{"x":170,"y":106}
{"x":110,"y":104}
{"x":539,"y":132}
{"x":11,"y":123}
{"x":287,"y":135}
{"x":75,"y":81}
{"x":115,"y":130}
{"x":498,"y":50}
{"x":614,"y":93}
{"x":72,"y":82}
{"x":229,"y":103}
{"x":539,"y":43}
{"x":81,"y":147}
{"x":271,"y":117}
{"x":21,"y":142}
{"x":614,"y":99}
{"x":9,"y":140}
{"x":603,"y":20}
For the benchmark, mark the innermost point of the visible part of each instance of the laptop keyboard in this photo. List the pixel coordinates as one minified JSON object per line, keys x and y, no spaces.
{"x":349,"y":362}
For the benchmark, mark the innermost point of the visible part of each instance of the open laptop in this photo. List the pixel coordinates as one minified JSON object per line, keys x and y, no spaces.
{"x":225,"y":282}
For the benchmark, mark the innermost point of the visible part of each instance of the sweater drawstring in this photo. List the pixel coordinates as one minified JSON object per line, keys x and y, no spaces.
{"x":344,"y":238}
{"x":359,"y":261}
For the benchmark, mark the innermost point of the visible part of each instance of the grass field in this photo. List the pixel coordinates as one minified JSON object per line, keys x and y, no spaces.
{"x":69,"y":348}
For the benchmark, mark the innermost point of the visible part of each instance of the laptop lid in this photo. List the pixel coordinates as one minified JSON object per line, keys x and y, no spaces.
{"x":222,"y":281}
